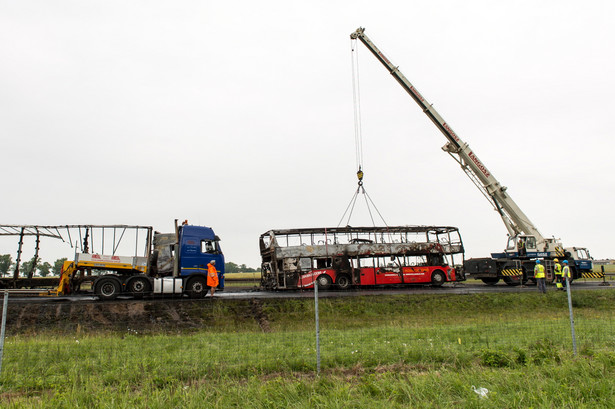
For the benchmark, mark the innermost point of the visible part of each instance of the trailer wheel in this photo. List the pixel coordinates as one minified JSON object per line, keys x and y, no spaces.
{"x":343,"y":282}
{"x":139,"y":286}
{"x":197,"y":287}
{"x":324,"y":282}
{"x":107,"y":289}
{"x":438,"y":278}
{"x":490,"y":280}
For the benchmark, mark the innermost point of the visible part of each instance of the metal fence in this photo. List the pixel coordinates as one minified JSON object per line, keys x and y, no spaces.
{"x":182,"y":339}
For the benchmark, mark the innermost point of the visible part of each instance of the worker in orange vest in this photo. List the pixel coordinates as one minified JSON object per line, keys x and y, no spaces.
{"x":212,"y":276}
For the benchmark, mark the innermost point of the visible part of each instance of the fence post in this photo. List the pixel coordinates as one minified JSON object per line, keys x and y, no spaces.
{"x":574,"y":337}
{"x":317,"y":327}
{"x":604,"y":283}
{"x":2,"y":331}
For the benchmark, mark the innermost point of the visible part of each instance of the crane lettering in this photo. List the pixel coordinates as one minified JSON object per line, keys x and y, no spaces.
{"x":451,"y":132}
{"x":479,"y":164}
{"x":418,"y":95}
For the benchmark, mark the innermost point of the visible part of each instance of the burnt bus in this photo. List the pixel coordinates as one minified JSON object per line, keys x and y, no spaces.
{"x":345,"y":257}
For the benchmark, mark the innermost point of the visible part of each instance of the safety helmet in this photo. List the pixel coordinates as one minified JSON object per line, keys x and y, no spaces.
{"x":556,"y":260}
{"x":537,"y":261}
{"x":212,"y":262}
{"x":565,"y":261}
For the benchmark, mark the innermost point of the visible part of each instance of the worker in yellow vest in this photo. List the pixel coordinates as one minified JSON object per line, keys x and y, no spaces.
{"x":539,"y":275}
{"x":558,"y":275}
{"x":567,"y":277}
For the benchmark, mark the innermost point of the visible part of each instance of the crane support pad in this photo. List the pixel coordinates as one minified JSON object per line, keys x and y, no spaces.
{"x":592,"y":275}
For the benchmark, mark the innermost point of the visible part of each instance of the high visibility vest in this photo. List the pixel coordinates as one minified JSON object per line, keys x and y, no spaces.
{"x":211,"y":271}
{"x":567,"y":272}
{"x":539,"y":271}
{"x":558,"y":269}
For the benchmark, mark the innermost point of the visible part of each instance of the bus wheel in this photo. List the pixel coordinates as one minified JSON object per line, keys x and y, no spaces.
{"x":324,"y":282}
{"x":343,"y":282}
{"x":197,"y":288}
{"x":438,"y":278}
{"x":107,"y":289}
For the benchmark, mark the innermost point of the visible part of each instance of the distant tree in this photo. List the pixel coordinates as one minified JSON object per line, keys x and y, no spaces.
{"x":6,"y":261}
{"x":57,"y":266}
{"x":231,"y":267}
{"x":44,"y":269}
{"x":26,"y":266}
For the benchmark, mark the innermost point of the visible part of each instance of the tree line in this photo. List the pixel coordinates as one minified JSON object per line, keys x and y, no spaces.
{"x":44,"y":268}
{"x":231,"y":267}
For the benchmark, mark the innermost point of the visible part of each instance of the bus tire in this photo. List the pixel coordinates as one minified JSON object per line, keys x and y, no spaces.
{"x":323,"y":281}
{"x":343,"y":282}
{"x":438,"y":278}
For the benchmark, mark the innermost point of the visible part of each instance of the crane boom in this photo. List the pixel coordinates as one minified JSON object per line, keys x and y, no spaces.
{"x":514,"y":219}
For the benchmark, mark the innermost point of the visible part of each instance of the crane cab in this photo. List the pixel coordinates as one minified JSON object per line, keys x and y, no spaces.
{"x":521,"y":245}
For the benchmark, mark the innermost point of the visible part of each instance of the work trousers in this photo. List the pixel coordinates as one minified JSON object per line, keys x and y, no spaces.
{"x":542,"y":285}
{"x":559,"y":281}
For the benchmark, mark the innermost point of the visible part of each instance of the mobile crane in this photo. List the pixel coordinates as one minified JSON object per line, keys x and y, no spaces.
{"x":525,"y":242}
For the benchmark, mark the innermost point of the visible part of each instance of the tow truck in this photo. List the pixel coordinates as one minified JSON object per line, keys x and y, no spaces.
{"x":525,"y":243}
{"x":170,"y":263}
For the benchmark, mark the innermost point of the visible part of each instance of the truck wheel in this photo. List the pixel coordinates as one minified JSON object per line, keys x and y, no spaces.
{"x":107,"y":289}
{"x":490,"y":280}
{"x":343,"y":282}
{"x":197,"y":288}
{"x":139,"y":287}
{"x":438,"y":278}
{"x":323,"y":281}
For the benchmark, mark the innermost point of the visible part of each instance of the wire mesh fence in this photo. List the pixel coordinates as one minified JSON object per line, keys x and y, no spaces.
{"x":166,"y":341}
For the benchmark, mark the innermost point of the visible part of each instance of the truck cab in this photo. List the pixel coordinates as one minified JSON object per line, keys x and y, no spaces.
{"x":582,"y":259}
{"x":177,"y":264}
{"x":198,"y":246}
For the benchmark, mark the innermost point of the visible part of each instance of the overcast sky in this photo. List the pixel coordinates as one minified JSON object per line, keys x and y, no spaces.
{"x":239,"y":115}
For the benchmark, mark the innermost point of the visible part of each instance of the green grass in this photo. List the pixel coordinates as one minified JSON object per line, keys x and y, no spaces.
{"x":378,"y":351}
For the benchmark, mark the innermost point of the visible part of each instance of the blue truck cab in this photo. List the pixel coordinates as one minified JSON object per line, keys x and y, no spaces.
{"x":198,"y":246}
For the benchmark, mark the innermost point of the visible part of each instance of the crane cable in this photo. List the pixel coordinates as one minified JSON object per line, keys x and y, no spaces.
{"x":358,"y":137}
